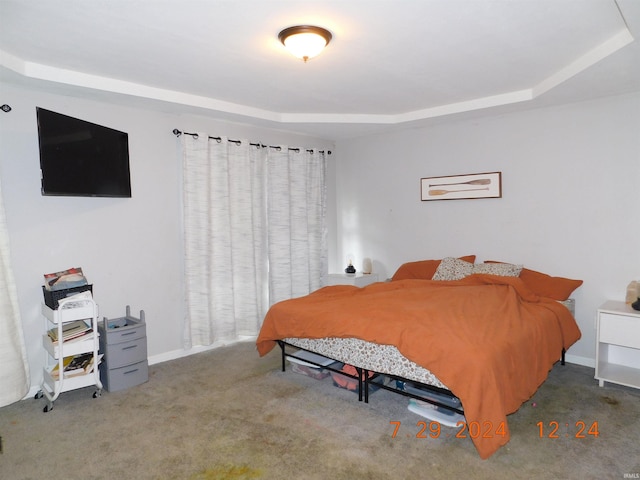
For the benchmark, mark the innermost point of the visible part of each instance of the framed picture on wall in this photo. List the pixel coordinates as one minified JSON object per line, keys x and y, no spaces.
{"x":458,"y":187}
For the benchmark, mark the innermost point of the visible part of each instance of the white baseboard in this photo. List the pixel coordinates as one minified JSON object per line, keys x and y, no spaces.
{"x":584,"y":361}
{"x":175,"y":354}
{"x":168,"y":356}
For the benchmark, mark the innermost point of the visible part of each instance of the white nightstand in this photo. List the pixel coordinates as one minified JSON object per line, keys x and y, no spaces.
{"x":618,"y":344}
{"x":358,"y":279}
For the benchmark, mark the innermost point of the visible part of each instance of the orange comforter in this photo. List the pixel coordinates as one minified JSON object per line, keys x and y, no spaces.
{"x":490,"y":339}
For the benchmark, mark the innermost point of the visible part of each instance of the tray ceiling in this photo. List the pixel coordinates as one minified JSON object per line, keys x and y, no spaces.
{"x":390,"y":64}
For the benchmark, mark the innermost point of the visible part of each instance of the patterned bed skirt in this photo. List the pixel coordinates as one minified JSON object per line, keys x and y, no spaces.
{"x":385,"y":359}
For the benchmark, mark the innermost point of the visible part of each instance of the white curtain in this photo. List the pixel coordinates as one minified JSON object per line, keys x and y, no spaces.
{"x":225,"y":250}
{"x":14,"y":367}
{"x":254,"y":233}
{"x":297,"y":240}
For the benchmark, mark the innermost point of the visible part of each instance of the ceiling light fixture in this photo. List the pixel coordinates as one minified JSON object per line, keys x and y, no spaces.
{"x":305,"y":41}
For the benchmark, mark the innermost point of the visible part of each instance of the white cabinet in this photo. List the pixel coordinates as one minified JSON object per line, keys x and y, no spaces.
{"x":356,"y":279}
{"x":618,"y":344}
{"x":55,"y":379}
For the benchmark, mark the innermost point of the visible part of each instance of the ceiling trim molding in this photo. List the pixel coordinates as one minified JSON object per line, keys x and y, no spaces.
{"x":84,"y":80}
{"x":602,"y":51}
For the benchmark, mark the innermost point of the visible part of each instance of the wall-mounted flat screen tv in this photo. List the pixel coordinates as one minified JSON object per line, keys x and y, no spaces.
{"x":79,"y":158}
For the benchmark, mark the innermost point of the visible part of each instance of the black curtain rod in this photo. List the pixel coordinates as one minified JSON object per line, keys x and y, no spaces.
{"x":177,"y":133}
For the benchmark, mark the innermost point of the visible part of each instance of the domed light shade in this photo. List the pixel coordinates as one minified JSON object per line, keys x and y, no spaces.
{"x":305,"y":41}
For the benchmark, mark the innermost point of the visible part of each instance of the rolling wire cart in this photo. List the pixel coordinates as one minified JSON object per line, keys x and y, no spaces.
{"x":69,"y":310}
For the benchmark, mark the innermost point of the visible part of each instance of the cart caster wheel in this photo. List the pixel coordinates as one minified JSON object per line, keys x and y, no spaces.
{"x":39,"y":395}
{"x":97,"y":394}
{"x":47,"y":408}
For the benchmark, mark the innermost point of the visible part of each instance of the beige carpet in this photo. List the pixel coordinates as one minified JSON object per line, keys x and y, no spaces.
{"x":229,"y":414}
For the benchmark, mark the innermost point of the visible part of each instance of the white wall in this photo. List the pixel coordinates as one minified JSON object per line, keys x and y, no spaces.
{"x":571,"y":186}
{"x":571,"y":194}
{"x":130,"y":249}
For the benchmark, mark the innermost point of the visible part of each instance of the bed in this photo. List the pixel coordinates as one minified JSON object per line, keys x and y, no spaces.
{"x":480,"y":331}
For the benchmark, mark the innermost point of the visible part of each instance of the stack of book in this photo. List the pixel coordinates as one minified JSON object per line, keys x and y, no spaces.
{"x":75,"y":365}
{"x":70,"y":331}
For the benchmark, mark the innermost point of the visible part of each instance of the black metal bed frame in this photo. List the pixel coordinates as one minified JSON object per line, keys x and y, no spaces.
{"x":363,"y":385}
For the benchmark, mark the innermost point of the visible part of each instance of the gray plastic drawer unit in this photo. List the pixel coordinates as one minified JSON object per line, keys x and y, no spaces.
{"x":125,"y":377}
{"x":123,"y":341}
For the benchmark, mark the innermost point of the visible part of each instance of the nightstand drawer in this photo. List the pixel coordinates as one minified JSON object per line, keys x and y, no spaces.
{"x":620,"y":330}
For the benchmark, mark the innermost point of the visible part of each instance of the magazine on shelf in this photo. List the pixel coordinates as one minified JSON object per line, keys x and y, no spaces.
{"x":75,"y":365}
{"x":92,"y":363}
{"x":55,"y":372}
{"x":80,"y":338}
{"x":70,"y":330}
{"x":70,"y":278}
{"x":71,"y":366}
{"x":80,"y":362}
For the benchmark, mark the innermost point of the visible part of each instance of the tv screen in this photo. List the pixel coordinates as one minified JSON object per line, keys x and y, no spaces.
{"x":79,"y":158}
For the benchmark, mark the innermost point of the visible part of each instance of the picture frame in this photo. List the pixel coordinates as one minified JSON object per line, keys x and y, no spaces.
{"x":459,"y":187}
